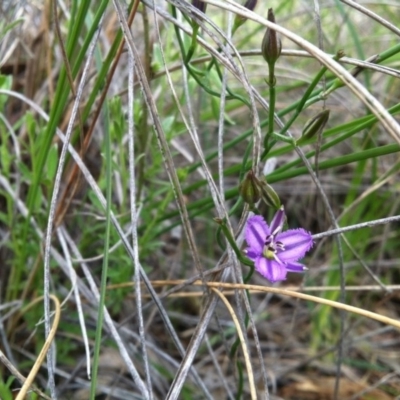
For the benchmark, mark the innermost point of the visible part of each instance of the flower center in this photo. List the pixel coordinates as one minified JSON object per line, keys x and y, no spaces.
{"x":272,"y":247}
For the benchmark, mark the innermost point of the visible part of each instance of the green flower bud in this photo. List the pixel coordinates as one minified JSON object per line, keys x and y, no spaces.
{"x":271,"y":46}
{"x":250,"y":189}
{"x":269,"y":196}
{"x":314,"y":126}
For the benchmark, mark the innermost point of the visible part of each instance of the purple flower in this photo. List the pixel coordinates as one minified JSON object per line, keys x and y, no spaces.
{"x":274,"y":252}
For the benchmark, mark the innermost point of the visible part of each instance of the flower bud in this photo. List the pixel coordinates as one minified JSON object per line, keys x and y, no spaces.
{"x":200,"y":5}
{"x":271,"y":46}
{"x":239,"y":19}
{"x":269,"y":196}
{"x":314,"y":126}
{"x":250,"y":189}
{"x":250,"y":4}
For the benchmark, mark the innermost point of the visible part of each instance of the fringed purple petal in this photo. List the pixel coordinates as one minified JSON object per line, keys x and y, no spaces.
{"x":250,"y":253}
{"x":297,"y":242}
{"x":270,"y":269}
{"x":278,"y":221}
{"x":256,"y":233}
{"x":295,"y":267}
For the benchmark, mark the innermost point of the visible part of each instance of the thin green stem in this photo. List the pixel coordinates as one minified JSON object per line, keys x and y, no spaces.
{"x":232,"y":95}
{"x":244,"y":260}
{"x":193,"y":45}
{"x":272,"y":99}
{"x":303,"y":101}
{"x":103,"y":285}
{"x":240,"y":375}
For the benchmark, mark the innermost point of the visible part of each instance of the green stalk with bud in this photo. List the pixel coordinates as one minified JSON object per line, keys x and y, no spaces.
{"x":314,"y":126}
{"x":271,"y":49}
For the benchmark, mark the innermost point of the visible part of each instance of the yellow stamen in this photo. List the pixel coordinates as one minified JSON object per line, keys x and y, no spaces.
{"x":269,"y":254}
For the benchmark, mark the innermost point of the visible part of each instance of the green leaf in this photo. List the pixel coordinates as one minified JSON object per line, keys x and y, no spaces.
{"x":52,"y":162}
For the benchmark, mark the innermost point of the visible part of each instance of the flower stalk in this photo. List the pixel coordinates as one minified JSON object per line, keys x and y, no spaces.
{"x":271,"y":49}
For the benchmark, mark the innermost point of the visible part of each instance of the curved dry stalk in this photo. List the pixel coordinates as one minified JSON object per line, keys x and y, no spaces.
{"x":372,"y":15}
{"x":8,"y":364}
{"x":303,"y":296}
{"x":235,"y":320}
{"x":49,"y":339}
{"x":362,"y":288}
{"x":299,"y":295}
{"x":365,"y":64}
{"x":368,"y":224}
